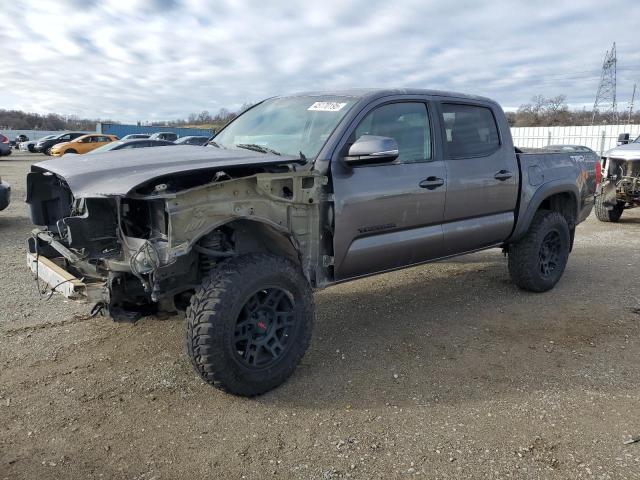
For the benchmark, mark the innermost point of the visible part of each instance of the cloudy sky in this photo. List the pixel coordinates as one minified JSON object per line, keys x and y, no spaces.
{"x":162,"y":59}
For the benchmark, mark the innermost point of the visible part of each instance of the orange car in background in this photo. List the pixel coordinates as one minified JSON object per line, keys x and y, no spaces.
{"x":82,"y":144}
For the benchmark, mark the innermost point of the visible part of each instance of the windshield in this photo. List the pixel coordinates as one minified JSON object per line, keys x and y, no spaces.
{"x":637,"y":140}
{"x":287,"y":126}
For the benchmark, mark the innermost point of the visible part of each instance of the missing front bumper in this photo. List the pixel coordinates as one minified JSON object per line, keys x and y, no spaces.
{"x":56,"y":277}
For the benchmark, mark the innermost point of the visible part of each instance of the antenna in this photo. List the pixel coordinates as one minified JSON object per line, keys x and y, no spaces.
{"x":605,"y":107}
{"x":633,"y":97}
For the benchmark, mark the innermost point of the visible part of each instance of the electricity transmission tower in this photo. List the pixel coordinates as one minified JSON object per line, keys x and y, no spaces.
{"x":605,"y":107}
{"x":633,"y":97}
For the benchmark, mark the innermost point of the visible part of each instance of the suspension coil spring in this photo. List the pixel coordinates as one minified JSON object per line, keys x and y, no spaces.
{"x":213,"y":241}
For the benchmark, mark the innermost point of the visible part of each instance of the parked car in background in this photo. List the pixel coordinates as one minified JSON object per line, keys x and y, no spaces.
{"x":45,"y":144}
{"x":30,"y":145}
{"x":83,"y":144}
{"x":172,"y":137}
{"x":192,"y":140}
{"x":18,"y":140}
{"x":5,"y":194}
{"x":133,"y":136}
{"x":126,"y":144}
{"x":5,"y":147}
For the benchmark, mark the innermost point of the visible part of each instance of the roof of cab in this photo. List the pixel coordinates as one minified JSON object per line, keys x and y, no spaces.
{"x":374,"y":93}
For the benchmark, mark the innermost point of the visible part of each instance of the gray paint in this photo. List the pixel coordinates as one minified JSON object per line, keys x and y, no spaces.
{"x":630,"y":151}
{"x":116,"y":173}
{"x":474,"y":210}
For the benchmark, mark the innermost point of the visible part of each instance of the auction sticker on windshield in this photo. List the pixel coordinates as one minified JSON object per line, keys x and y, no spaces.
{"x":326,"y":107}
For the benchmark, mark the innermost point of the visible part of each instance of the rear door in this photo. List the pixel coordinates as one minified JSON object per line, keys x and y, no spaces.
{"x":389,"y":215}
{"x":482,"y":177}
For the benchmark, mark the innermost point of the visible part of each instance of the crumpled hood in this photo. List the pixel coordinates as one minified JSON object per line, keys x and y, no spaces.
{"x":630,"y":151}
{"x":117,"y":172}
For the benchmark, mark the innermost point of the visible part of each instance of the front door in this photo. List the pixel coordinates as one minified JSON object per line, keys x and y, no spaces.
{"x":388,"y":216}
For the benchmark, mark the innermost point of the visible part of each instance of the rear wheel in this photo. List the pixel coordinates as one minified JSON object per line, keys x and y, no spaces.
{"x":538,"y":260}
{"x":605,"y":215}
{"x":47,"y":151}
{"x":249,"y":324}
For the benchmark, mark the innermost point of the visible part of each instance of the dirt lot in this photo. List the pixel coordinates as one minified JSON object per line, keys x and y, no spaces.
{"x":440,"y":371}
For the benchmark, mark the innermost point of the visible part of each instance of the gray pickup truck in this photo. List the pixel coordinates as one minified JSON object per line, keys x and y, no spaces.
{"x":299,"y":193}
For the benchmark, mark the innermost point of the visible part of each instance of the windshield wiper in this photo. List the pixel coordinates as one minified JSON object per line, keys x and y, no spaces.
{"x":257,"y":148}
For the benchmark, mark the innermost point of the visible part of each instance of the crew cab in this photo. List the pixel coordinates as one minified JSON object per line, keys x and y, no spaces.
{"x":298,"y":193}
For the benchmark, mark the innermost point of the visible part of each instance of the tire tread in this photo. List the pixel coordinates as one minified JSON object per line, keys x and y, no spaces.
{"x":523,"y":255}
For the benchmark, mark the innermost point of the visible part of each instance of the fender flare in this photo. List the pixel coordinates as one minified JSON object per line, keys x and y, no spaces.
{"x":545,"y":191}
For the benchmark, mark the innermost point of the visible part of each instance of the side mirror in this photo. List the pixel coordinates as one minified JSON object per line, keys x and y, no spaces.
{"x":372,"y":149}
{"x":623,"y":139}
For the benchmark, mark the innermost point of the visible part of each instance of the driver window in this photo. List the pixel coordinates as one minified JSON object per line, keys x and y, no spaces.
{"x":407,"y":123}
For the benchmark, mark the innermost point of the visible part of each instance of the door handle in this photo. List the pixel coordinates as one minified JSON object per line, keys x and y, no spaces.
{"x":431,"y":183}
{"x":503,"y":175}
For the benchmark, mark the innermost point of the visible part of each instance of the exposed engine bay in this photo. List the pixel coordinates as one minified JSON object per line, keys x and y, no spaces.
{"x":145,"y":252}
{"x":621,"y":181}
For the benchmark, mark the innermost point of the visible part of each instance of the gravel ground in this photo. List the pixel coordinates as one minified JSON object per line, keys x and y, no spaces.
{"x":440,"y":371}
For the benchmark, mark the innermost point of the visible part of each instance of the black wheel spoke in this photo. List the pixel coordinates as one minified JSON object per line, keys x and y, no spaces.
{"x":285,"y":319}
{"x":273,"y":298}
{"x":252,"y":304}
{"x":274,"y":347}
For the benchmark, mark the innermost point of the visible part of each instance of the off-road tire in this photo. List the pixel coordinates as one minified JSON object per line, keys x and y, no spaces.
{"x":605,"y":215}
{"x":526,"y":264}
{"x":215,"y":308}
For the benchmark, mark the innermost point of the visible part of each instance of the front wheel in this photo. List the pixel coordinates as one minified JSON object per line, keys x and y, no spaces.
{"x":538,"y":260}
{"x":249,"y":324}
{"x":604,"y":214}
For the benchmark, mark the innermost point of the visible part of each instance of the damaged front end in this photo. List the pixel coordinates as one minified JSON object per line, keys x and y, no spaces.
{"x":111,"y":250}
{"x":146,"y":251}
{"x":621,"y":180}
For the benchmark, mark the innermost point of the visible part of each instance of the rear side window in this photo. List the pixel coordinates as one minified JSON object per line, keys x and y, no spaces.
{"x":407,"y":123}
{"x":469,"y":130}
